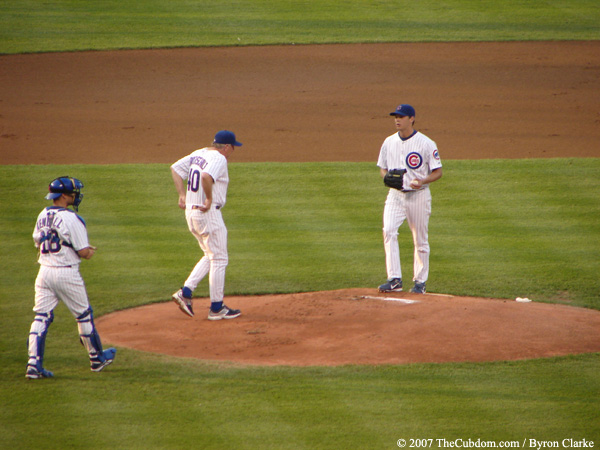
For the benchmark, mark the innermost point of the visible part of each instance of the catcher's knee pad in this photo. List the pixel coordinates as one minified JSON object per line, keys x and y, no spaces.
{"x":36,"y":344}
{"x":88,"y":335}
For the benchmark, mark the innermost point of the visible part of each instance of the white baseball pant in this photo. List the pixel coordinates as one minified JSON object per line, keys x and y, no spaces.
{"x":415,"y":208}
{"x":211,"y":233}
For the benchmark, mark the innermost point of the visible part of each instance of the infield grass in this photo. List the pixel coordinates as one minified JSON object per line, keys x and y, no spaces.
{"x":66,"y":25}
{"x":500,"y":228}
{"x":155,"y":402}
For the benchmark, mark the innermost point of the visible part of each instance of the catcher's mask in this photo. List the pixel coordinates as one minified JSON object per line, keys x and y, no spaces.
{"x":66,"y":185}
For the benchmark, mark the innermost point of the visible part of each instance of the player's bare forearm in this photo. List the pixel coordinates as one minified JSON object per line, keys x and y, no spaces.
{"x":87,"y":253}
{"x":180,"y":186}
{"x":207,"y":187}
{"x":383,"y":172}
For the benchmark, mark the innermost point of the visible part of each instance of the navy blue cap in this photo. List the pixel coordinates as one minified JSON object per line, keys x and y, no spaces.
{"x":226,"y":137}
{"x":404,"y":110}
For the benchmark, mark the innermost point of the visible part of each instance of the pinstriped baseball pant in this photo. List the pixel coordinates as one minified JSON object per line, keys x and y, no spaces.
{"x":60,"y":283}
{"x":210,"y":231}
{"x":415,"y":208}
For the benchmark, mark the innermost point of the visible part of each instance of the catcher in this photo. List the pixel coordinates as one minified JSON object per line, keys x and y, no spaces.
{"x":60,"y":235}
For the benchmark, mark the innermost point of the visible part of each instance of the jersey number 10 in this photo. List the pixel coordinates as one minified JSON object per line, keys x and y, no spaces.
{"x":193,"y":183}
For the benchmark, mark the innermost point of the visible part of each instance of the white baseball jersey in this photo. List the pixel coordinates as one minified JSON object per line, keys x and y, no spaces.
{"x":419,"y":156}
{"x":191,"y":168}
{"x":207,"y":227}
{"x":59,"y":233}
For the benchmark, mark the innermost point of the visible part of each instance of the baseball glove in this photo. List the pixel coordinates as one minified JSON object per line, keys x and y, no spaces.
{"x":395,"y":178}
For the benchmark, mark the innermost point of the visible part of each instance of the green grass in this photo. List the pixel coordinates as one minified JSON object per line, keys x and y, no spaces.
{"x":349,"y":407}
{"x":65,"y":25}
{"x":501,"y":228}
{"x":150,"y":401}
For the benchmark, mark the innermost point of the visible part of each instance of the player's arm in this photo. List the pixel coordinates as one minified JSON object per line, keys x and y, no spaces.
{"x":181,"y":186}
{"x":87,"y":253}
{"x":207,"y":187}
{"x":435,"y":175}
{"x":383,"y":172}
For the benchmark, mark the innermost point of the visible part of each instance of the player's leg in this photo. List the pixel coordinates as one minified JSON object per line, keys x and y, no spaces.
{"x":45,"y":302}
{"x":418,"y":213}
{"x":200,"y":270}
{"x":393,"y":217}
{"x":90,"y":339}
{"x":72,"y":292}
{"x":183,"y":297}
{"x":37,"y":345}
{"x":215,"y":247}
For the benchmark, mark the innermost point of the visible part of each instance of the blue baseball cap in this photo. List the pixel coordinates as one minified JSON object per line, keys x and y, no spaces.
{"x":404,"y":110}
{"x":226,"y":137}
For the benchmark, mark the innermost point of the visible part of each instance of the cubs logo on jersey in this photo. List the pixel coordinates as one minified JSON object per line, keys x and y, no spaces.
{"x":436,"y":155}
{"x":414,"y":160}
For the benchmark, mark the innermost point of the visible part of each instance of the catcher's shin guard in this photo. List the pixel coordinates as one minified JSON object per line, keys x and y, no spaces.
{"x":90,"y":339}
{"x":37,"y":340}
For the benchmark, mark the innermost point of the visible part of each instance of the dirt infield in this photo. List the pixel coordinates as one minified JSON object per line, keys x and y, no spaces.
{"x":318,"y":103}
{"x":300,"y":103}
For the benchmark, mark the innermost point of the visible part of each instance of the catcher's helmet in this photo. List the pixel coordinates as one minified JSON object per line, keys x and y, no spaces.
{"x":66,"y":185}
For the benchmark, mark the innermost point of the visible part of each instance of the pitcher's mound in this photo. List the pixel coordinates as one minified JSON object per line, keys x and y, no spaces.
{"x":358,"y":326}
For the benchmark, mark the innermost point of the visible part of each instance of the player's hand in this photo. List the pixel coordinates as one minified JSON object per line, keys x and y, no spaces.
{"x":205,"y":206}
{"x":87,"y":253}
{"x":182,"y":202}
{"x":416,"y":183}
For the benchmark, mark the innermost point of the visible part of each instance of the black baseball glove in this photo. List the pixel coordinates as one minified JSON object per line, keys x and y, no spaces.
{"x":395,"y":178}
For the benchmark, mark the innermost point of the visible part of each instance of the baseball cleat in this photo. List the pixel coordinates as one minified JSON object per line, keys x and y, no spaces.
{"x":224,"y":313}
{"x":419,"y":288}
{"x":108,"y":357}
{"x":393,"y":285}
{"x":185,"y":304}
{"x":33,"y":373}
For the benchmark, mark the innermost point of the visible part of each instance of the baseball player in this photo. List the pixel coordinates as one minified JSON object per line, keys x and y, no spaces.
{"x":202,"y":197}
{"x":413,"y":155}
{"x":61,"y":237}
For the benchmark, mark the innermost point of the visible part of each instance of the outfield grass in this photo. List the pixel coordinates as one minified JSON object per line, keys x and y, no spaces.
{"x":65,"y":25}
{"x":499,"y":228}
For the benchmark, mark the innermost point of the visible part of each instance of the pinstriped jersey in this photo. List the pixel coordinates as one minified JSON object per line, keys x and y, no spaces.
{"x":417,"y":154}
{"x":58,"y":234}
{"x":191,"y":167}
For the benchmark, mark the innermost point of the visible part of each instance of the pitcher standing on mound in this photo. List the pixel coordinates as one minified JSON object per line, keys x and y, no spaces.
{"x":202,"y":197}
{"x":412,"y":151}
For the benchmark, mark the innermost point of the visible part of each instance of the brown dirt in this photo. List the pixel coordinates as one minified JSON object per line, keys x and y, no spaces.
{"x":300,"y":103}
{"x":356,"y":326}
{"x":318,"y":103}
